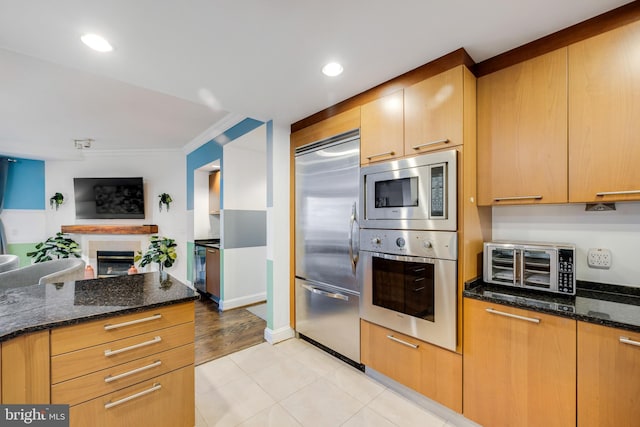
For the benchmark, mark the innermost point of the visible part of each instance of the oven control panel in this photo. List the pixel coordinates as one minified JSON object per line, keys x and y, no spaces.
{"x":428,"y":244}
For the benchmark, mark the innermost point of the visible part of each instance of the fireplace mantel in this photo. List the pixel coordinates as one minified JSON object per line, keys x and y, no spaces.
{"x":109,"y":229}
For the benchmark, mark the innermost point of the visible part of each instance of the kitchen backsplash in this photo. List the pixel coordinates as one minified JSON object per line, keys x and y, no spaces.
{"x":618,"y":231}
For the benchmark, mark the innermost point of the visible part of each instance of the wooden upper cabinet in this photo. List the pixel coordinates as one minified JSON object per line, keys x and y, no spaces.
{"x":519,"y":367}
{"x":604,"y":117}
{"x":433,"y":111}
{"x":335,"y":125}
{"x":382,"y":129}
{"x":214,"y":193}
{"x":522,"y":132}
{"x":608,"y":376}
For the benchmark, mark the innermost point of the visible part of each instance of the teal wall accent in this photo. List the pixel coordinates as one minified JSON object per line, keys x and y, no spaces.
{"x":25,"y":185}
{"x":212,"y":151}
{"x":269,"y":294}
{"x":190,"y":249}
{"x":196,"y":159}
{"x":21,"y":250}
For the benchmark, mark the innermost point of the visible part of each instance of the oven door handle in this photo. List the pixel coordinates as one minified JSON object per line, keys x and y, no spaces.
{"x":334,"y":295}
{"x":353,"y":255}
{"x":404,"y":258}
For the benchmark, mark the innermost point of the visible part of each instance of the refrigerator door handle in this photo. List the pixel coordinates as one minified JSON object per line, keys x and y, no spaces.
{"x":334,"y":295}
{"x":353,"y":255}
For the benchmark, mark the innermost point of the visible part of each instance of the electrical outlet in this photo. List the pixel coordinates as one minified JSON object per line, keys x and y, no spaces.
{"x":599,"y":258}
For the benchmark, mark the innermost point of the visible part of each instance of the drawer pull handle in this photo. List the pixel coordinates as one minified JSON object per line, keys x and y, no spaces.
{"x":111,"y":378}
{"x":613,"y":193}
{"x":408,"y":344}
{"x":626,"y":340}
{"x":155,"y":387}
{"x":499,"y":199}
{"x":388,"y":153}
{"x":212,"y":251}
{"x":132,"y":347}
{"x":132,"y":322}
{"x":513,"y":316}
{"x":440,"y":141}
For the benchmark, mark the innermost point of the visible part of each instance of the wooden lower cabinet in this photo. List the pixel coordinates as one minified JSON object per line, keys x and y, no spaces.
{"x":213,"y":271}
{"x":167,"y":400}
{"x":26,"y":369}
{"x":519,"y":367}
{"x":608,"y":376}
{"x":430,"y":370}
{"x":129,"y":370}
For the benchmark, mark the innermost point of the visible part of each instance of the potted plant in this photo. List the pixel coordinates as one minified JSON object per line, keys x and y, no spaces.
{"x":56,"y":247}
{"x":161,"y":250}
{"x":56,"y":200}
{"x":165,"y":199}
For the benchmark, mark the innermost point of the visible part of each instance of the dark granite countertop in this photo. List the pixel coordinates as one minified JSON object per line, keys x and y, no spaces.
{"x":37,"y":307}
{"x":209,"y":243}
{"x":608,"y":305}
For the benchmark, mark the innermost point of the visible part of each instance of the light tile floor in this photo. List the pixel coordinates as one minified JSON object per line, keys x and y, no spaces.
{"x":296,"y":384}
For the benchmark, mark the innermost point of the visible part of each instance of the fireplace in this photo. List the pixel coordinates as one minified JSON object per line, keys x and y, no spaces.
{"x":114,"y":263}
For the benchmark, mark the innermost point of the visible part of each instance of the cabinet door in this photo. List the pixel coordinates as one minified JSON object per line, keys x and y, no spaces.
{"x":382,"y":129}
{"x":522,"y":132}
{"x":430,"y":370}
{"x":604,"y":112}
{"x":433,"y":112}
{"x":213,"y":272}
{"x":518,"y":370}
{"x":25,"y":369}
{"x":608,"y":376}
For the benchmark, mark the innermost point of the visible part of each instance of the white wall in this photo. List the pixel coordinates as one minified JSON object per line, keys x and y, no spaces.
{"x":162,"y":172}
{"x":618,"y":231}
{"x":278,"y":220}
{"x":244,"y":188}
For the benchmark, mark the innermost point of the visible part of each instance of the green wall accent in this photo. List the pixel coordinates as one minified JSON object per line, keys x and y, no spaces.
{"x":270,"y":294}
{"x":21,"y":250}
{"x":190,"y":249}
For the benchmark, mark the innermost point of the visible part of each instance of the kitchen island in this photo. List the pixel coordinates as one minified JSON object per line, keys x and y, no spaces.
{"x":118,"y":350}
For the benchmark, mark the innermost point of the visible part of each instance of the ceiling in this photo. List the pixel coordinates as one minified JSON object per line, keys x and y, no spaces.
{"x":182,"y":72}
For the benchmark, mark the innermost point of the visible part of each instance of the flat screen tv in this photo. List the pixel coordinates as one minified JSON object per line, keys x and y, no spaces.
{"x":109,"y":198}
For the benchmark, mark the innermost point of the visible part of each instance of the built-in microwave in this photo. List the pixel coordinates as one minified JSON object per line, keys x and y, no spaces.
{"x":417,"y":193}
{"x":542,"y":266}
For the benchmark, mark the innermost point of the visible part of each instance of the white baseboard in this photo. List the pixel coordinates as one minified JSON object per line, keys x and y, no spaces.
{"x":282,"y":334}
{"x":228,"y":304}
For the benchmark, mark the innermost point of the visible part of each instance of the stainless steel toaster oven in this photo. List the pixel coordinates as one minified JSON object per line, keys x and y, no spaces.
{"x":542,"y":266}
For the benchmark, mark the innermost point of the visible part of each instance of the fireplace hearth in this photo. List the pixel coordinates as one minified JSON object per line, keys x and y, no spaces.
{"x":114,"y":263}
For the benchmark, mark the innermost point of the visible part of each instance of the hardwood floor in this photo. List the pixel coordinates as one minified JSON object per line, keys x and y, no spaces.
{"x":222,"y":333}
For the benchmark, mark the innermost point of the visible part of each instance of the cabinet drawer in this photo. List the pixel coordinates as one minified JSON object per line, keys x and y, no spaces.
{"x":167,"y":400}
{"x":428,"y":369}
{"x":82,"y":362}
{"x":88,"y":334}
{"x":109,"y":380}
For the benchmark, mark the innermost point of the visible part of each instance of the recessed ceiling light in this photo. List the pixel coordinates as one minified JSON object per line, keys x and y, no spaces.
{"x":96,"y":42}
{"x":332,"y":69}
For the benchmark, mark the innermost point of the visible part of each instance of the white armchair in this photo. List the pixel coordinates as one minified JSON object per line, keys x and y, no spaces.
{"x":9,"y":262}
{"x":57,"y":270}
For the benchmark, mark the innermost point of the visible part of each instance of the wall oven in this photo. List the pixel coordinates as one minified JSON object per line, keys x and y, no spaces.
{"x":410,"y":283}
{"x":416,"y":193}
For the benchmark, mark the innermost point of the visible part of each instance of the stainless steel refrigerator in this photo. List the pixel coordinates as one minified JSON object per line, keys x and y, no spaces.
{"x":327,"y":243}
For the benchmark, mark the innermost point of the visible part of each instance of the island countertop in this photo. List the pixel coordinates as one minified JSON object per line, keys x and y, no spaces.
{"x":37,"y":307}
